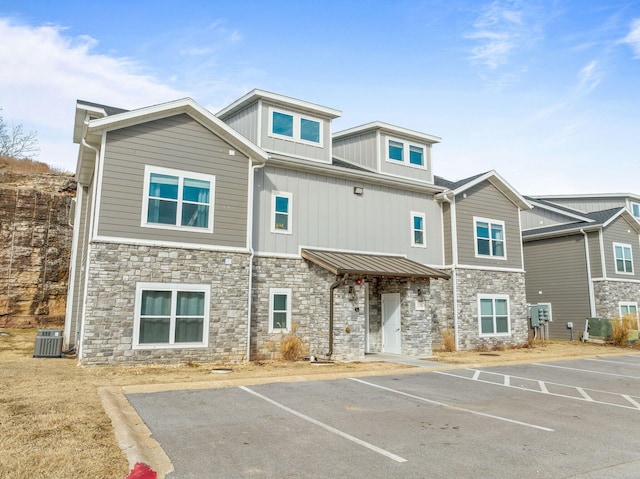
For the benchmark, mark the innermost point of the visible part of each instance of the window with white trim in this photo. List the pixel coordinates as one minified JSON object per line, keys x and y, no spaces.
{"x":493,"y":315}
{"x":281,"y":212}
{"x":171,"y":315}
{"x":279,"y":310}
{"x":489,"y":238}
{"x":635,"y":209}
{"x":628,"y":308}
{"x":623,"y":258}
{"x":293,"y":126}
{"x":175,"y":199}
{"x":418,"y":229}
{"x":399,"y":151}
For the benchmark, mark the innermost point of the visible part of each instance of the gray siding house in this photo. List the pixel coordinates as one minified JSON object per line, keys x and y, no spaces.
{"x":584,"y":264}
{"x":207,"y":237}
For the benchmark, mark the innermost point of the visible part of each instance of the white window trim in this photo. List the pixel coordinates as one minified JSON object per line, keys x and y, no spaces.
{"x":289,"y":229}
{"x":174,"y":288}
{"x":631,"y":205}
{"x":477,"y":219}
{"x":615,"y":261}
{"x":406,"y":148}
{"x":297,"y":117}
{"x":415,"y":214}
{"x":272,"y":292}
{"x":181,"y":174}
{"x":494,"y":297}
{"x":627,"y":304}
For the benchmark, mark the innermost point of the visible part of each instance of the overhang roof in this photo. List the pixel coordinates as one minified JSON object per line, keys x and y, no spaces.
{"x":389,"y":129}
{"x":361,"y":264}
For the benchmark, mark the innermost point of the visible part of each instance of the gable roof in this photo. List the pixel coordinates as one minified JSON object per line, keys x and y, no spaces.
{"x":286,"y":101}
{"x":563,"y":210}
{"x":589,"y":196}
{"x":457,"y":187}
{"x":595,"y":220}
{"x":387,"y":128}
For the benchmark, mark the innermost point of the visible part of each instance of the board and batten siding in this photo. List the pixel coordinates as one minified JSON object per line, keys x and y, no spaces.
{"x":359,"y":149}
{"x":486,"y":201}
{"x":327,"y":214}
{"x":621,"y":232}
{"x":556,"y":273}
{"x":181,"y":143}
{"x":540,"y":217}
{"x":245,"y":122}
{"x":589,"y":205}
{"x":290,"y":147}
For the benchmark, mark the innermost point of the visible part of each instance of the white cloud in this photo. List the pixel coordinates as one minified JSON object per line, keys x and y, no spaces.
{"x":45,"y":71}
{"x":633,"y":38}
{"x":589,"y":77}
{"x":503,"y":28}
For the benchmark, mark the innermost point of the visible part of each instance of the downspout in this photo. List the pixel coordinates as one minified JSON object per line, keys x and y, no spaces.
{"x":331,"y":294}
{"x":252,"y":174}
{"x":88,"y":242}
{"x":454,"y":270}
{"x":592,"y":301}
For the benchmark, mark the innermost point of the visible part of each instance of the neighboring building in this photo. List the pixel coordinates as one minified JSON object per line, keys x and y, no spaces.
{"x":588,"y":203}
{"x":581,"y":262}
{"x":206,"y":237}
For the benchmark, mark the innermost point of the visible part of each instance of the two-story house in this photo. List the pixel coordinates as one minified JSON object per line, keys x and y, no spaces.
{"x":206,"y":237}
{"x":581,"y":263}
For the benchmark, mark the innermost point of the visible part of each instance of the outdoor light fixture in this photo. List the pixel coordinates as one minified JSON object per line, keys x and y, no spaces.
{"x":358,"y":190}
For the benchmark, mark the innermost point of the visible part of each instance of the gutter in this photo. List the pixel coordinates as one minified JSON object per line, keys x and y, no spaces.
{"x":592,"y":300}
{"x":252,"y":252}
{"x":454,"y":260}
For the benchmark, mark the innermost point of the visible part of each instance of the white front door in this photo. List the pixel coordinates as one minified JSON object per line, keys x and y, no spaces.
{"x":391,"y":323}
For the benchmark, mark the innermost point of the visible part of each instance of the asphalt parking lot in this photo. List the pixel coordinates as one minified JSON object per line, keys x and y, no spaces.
{"x":569,"y":419}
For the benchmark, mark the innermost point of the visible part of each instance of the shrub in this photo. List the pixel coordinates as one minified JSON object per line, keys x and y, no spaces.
{"x":620,"y":328}
{"x":448,"y":340}
{"x":291,"y":346}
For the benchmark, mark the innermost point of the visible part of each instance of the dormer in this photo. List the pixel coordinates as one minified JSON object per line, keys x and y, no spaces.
{"x":282,"y":125}
{"x":387,"y":149}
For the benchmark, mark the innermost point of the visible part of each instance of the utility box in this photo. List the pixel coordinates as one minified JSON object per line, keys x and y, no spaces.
{"x":599,"y":327}
{"x":48,"y":344}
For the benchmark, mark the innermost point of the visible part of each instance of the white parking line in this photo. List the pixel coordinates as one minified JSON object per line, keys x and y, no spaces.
{"x":327,"y":427}
{"x":585,"y":370}
{"x":456,"y":408}
{"x":612,"y":362}
{"x":543,"y":388}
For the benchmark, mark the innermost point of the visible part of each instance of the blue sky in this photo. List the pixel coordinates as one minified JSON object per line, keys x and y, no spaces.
{"x":545,"y":92}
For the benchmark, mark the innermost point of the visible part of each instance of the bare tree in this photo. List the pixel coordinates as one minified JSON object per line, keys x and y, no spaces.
{"x":15,"y":143}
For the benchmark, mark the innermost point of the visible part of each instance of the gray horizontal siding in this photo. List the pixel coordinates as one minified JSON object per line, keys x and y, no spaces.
{"x":486,"y":201}
{"x":621,"y":232}
{"x":404,"y":170}
{"x":327,"y":214}
{"x":180,"y":143}
{"x":360,"y":149}
{"x":446,"y":225}
{"x":295,"y":148}
{"x":556,"y":273}
{"x":595,"y":255}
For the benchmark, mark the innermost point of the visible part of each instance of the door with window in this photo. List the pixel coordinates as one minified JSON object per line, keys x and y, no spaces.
{"x":391,"y":325}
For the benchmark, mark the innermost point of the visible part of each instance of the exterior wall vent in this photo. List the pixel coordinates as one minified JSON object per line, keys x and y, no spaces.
{"x":48,"y":344}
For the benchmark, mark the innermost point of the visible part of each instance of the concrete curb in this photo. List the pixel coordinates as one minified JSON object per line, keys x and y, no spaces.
{"x":132,"y":434}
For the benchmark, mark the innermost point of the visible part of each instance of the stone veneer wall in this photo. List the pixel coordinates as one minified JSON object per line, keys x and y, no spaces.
{"x":310,"y":287}
{"x":115,"y":270}
{"x":470,"y":283}
{"x":608,"y":295}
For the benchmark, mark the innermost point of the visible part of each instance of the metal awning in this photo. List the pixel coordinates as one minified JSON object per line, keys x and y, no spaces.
{"x":359,"y":264}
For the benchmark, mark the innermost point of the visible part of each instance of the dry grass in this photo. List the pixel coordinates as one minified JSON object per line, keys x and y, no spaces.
{"x":24,"y":166}
{"x":620,"y":328}
{"x":292,"y":347}
{"x":52,"y":424}
{"x":448,"y":340}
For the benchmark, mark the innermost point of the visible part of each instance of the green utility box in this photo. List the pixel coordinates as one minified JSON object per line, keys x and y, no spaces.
{"x":600,"y":327}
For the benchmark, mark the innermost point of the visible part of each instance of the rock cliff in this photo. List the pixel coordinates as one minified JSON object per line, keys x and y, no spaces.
{"x":35,"y":247}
